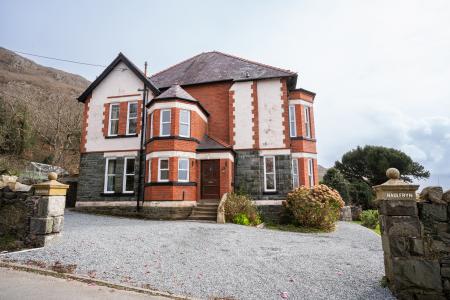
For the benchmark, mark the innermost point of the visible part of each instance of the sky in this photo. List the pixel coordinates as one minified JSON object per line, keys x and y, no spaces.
{"x":380,"y":69}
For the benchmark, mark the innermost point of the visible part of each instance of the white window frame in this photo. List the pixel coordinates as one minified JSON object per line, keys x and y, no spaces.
{"x":159,"y":169}
{"x":274,"y":175}
{"x":128,"y":117}
{"x":307,"y":121}
{"x":179,"y":160}
{"x":105,"y":185}
{"x":125,"y":174}
{"x":149,"y":166}
{"x":161,"y":122}
{"x":151,"y":125}
{"x":311,"y":172}
{"x":110,"y":119}
{"x":188,"y":123}
{"x":295,"y":174}
{"x":292,"y":121}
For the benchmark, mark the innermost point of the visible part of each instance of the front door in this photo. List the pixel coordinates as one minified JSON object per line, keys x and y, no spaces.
{"x":210,"y":179}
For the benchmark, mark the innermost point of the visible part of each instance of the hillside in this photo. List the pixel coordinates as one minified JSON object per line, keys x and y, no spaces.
{"x":40,"y":119}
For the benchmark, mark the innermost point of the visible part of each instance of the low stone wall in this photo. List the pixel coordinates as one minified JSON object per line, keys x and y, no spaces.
{"x":416,"y":240}
{"x":271,"y":213}
{"x":150,"y":213}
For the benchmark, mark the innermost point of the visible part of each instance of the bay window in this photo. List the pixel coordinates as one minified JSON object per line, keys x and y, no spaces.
{"x":311,"y":172}
{"x":183,"y":169}
{"x":307,"y":122}
{"x":270,"y":181}
{"x":292,"y":123}
{"x":165,"y":122}
{"x":295,"y":182}
{"x":163,"y":169}
{"x":185,"y":123}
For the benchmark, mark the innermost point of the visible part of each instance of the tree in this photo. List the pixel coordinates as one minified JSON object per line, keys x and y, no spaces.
{"x":368,"y":164}
{"x":334,"y":179}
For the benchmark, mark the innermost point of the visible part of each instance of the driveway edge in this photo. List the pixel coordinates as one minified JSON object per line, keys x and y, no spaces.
{"x":32,"y":269}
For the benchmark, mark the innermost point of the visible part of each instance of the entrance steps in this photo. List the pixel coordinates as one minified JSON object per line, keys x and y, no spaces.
{"x":206,"y":210}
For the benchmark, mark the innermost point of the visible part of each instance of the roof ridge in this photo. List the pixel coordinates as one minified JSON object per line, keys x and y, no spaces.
{"x":177,"y":64}
{"x":253,"y":62}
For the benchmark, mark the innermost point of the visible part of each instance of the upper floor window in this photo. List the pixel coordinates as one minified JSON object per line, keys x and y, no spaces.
{"x":113,"y":119}
{"x":165,"y":122}
{"x":292,"y":123}
{"x":311,"y":172}
{"x":307,"y":122}
{"x":163,"y":169}
{"x":149,"y":178}
{"x":110,"y":175}
{"x":128,"y":175}
{"x":183,"y":169}
{"x":295,"y":182}
{"x":151,"y":125}
{"x":132,"y":118}
{"x":270,"y":181}
{"x":185,"y":123}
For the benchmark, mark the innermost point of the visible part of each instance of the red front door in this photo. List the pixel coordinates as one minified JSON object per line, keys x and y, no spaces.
{"x":210,"y":176}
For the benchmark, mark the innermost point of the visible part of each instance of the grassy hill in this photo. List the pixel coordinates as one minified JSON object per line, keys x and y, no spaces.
{"x":40,"y":119}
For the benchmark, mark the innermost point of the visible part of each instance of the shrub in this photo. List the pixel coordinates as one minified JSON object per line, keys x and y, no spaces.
{"x":318,"y":207}
{"x":369,"y":218}
{"x":241,"y":204}
{"x":241,"y":219}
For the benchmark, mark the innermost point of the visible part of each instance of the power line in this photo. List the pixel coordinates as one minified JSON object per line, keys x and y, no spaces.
{"x":60,"y":59}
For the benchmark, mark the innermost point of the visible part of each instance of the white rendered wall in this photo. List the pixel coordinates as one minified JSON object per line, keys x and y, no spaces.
{"x":270,"y":114}
{"x":243,"y":130}
{"x":118,"y":82}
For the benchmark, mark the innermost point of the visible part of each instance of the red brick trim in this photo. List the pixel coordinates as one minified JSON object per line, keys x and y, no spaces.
{"x":255,"y":113}
{"x":231,"y":113}
{"x":123,"y":112}
{"x":122,"y":96}
{"x":84,"y":125}
{"x":285,"y":105}
{"x":106,"y":118}
{"x":139,"y":117}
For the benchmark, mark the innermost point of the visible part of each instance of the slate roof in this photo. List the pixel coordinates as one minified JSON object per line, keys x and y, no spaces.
{"x":120,"y":58}
{"x":208,"y":143}
{"x":217,"y":66}
{"x":176,"y":91}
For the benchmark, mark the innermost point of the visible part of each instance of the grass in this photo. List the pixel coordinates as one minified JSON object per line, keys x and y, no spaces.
{"x":376,"y":229}
{"x":293,"y":228}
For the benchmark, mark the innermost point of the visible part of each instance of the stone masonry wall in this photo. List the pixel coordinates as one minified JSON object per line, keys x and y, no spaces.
{"x":416,"y":240}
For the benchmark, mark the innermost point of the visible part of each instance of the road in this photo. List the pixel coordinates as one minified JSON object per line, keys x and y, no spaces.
{"x":19,"y":285}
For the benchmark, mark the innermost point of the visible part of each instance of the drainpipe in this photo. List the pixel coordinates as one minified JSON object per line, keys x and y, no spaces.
{"x":140,"y":193}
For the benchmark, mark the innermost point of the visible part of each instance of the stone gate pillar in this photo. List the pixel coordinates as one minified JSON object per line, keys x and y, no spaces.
{"x":47,"y":222}
{"x":410,"y":271}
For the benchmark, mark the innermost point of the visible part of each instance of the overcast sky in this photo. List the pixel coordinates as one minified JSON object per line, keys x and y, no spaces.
{"x":381,"y":69}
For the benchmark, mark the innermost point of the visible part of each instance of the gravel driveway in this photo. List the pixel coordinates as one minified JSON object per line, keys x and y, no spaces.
{"x":207,"y":260}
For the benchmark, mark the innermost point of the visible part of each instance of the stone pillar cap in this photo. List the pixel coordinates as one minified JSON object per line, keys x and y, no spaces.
{"x":51,"y":187}
{"x":394,"y":184}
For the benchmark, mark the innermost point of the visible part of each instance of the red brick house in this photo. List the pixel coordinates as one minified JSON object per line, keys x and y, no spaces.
{"x":213,"y":123}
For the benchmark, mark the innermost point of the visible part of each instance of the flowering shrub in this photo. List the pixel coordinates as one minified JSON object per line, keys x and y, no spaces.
{"x":318,"y":207}
{"x":240,"y":204}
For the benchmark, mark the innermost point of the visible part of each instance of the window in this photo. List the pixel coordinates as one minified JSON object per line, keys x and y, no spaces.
{"x":163,"y":169}
{"x":270,"y":181}
{"x":185,"y":123}
{"x":295,"y":182}
{"x":128,"y":175}
{"x":113,"y":119}
{"x":151,"y":125}
{"x":165,"y":122}
{"x":110,"y":175}
{"x":132,"y":118}
{"x":311,"y":172}
{"x":183,"y":169}
{"x":292,"y":125}
{"x":307,"y":122}
{"x":149,"y":178}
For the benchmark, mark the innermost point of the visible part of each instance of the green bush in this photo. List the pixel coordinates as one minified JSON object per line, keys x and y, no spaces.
{"x":241,"y":219}
{"x":240,"y":204}
{"x":317,"y":207}
{"x":369,"y":218}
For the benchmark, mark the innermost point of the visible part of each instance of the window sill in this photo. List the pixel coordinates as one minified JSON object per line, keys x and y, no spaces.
{"x":121,"y":136}
{"x":116,"y":194}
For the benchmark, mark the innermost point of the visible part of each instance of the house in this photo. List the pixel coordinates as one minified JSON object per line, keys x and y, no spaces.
{"x":213,"y":123}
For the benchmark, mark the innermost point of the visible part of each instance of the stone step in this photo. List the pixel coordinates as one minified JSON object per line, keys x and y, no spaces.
{"x":203,"y":218}
{"x":203,"y":213}
{"x":206,"y":208}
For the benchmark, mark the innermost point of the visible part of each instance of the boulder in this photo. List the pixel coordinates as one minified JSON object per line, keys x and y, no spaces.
{"x":446,"y":196}
{"x":432,"y":194}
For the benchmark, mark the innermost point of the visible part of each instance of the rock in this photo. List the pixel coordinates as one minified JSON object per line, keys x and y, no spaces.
{"x":19,"y":187}
{"x":446,"y":196}
{"x":9,"y":195}
{"x":430,"y":212}
{"x":41,"y":225}
{"x":433,"y":194}
{"x":346,"y":214}
{"x":356,"y":212}
{"x":417,"y":273}
{"x":58,"y":223}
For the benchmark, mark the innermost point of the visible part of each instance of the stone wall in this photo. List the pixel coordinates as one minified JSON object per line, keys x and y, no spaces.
{"x":416,"y":240}
{"x":249,"y":176}
{"x":150,"y":213}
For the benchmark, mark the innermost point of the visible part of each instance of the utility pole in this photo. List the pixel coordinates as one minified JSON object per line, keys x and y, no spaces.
{"x":140,"y":195}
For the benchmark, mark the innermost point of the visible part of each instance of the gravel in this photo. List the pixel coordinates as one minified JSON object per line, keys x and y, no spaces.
{"x":207,"y":260}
